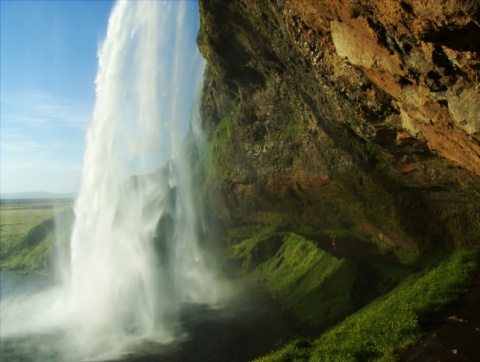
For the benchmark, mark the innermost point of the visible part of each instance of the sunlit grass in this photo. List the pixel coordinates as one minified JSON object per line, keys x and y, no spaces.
{"x":391,"y":323}
{"x":16,"y":223}
{"x":318,"y":288}
{"x":27,"y":232}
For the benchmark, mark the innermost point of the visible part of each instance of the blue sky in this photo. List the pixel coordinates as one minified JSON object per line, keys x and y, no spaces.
{"x":47,"y":90}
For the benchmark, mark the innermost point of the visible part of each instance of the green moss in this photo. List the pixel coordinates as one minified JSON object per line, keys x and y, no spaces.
{"x":242,"y":233}
{"x":394,"y":321}
{"x":406,"y":257}
{"x":255,"y":250}
{"x":292,"y":131}
{"x":214,"y":165}
{"x":268,"y":217}
{"x":315,"y":286}
{"x":222,"y":148}
{"x":308,"y":281}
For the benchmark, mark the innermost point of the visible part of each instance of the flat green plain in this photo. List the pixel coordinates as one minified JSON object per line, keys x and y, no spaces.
{"x":18,"y":218}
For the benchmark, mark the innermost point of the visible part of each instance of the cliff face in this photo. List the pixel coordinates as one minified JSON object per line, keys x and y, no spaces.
{"x":359,"y":115}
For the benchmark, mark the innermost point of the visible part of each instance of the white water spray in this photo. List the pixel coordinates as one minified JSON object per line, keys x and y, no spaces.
{"x":135,"y":249}
{"x":128,"y":275}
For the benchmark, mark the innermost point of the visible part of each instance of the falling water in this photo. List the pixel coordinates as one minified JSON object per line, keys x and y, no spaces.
{"x":135,"y":247}
{"x":135,"y":250}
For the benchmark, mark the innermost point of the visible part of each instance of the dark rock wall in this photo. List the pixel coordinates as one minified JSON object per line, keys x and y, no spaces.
{"x":345,"y":114}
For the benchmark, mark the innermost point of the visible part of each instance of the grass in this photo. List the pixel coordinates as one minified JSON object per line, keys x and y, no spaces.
{"x":391,"y":323}
{"x":405,"y":256}
{"x":318,"y":288}
{"x":313,"y":284}
{"x":16,"y":220}
{"x":36,"y":257}
{"x":28,"y":230}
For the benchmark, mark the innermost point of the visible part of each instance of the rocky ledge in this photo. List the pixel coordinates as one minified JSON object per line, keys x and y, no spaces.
{"x":359,"y":114}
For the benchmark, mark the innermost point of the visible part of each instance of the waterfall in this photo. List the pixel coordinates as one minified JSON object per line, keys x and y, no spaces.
{"x":135,"y":249}
{"x":137,"y":257}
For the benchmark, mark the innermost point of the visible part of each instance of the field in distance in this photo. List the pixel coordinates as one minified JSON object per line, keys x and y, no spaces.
{"x":28,"y":228}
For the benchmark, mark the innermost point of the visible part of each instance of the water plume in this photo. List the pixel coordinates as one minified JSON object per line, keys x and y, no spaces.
{"x":135,"y":249}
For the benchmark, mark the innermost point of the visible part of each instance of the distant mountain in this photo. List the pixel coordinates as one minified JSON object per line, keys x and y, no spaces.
{"x":36,"y":195}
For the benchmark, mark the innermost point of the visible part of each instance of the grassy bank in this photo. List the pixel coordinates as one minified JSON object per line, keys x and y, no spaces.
{"x":29,"y":229}
{"x":393,"y":321}
{"x":314,"y":284}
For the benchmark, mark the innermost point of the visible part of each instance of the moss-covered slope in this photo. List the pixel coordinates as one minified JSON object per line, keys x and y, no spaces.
{"x":315,"y":285}
{"x":391,"y":323}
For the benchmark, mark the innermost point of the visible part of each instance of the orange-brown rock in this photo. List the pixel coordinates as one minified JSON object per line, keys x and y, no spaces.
{"x":348,"y":113}
{"x":424,"y":54}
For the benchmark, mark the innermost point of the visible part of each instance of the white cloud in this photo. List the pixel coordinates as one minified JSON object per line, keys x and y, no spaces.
{"x":44,"y":110}
{"x":42,"y":143}
{"x":39,"y":175}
